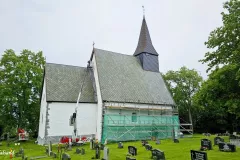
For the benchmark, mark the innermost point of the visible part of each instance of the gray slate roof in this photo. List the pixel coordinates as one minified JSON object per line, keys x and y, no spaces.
{"x":122,"y":79}
{"x":63,"y":83}
{"x":145,"y":42}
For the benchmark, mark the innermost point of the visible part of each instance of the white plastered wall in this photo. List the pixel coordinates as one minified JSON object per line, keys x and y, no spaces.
{"x":99,"y":99}
{"x":59,"y":115}
{"x":43,"y":109}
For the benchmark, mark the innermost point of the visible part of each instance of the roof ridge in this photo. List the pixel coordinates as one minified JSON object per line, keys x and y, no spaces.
{"x":115,"y":52}
{"x":65,"y":65}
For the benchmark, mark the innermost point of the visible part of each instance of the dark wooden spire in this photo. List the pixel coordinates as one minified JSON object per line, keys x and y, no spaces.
{"x":144,"y":42}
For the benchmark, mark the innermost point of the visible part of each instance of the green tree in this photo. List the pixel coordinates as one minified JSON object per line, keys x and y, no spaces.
{"x":220,"y":99}
{"x":183,"y":84}
{"x":224,"y":41}
{"x":20,"y":86}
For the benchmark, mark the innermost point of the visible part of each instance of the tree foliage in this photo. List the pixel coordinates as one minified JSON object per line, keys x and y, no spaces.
{"x":183,"y":84}
{"x":225,"y":40}
{"x":220,"y":99}
{"x":20,"y":87}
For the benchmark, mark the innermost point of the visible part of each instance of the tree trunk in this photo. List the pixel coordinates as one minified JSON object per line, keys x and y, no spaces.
{"x":190,"y":118}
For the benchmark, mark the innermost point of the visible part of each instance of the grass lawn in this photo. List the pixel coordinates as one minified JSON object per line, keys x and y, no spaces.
{"x":173,"y":151}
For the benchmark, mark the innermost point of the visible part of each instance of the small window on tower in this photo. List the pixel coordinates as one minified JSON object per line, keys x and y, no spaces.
{"x":134,"y":117}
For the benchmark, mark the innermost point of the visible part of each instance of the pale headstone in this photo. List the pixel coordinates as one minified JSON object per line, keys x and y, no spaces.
{"x":106,"y":153}
{"x":158,"y":142}
{"x":120,"y":145}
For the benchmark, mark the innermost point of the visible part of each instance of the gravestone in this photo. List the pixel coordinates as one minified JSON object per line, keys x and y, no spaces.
{"x":236,"y":142}
{"x":106,"y":153}
{"x":92,"y":144}
{"x":102,"y":146}
{"x":120,"y":145}
{"x":49,"y":148}
{"x":52,"y":154}
{"x":148,"y":147}
{"x":105,"y":143}
{"x":158,"y":142}
{"x":97,"y":152}
{"x":78,"y":151}
{"x":66,"y":156}
{"x":83,"y":151}
{"x":206,"y":144}
{"x":69,"y":145}
{"x":132,"y":150}
{"x":47,"y":151}
{"x":176,"y":140}
{"x":231,"y":136}
{"x":218,"y":140}
{"x":130,"y":158}
{"x":197,"y":155}
{"x":144,"y":142}
{"x":158,"y":155}
{"x":226,"y":147}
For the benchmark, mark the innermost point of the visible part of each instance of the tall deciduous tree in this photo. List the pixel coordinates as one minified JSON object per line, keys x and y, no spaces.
{"x":225,"y":40}
{"x":220,"y":99}
{"x":20,"y":87}
{"x":183,"y":84}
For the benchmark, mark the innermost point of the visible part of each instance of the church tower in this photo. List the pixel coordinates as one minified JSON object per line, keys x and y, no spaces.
{"x":145,"y":51}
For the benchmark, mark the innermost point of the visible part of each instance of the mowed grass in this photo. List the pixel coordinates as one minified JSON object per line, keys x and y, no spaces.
{"x":173,"y":151}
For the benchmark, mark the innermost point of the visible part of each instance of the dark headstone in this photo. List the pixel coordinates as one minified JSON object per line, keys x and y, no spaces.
{"x":120,"y":145}
{"x":206,"y":144}
{"x":83,"y":151}
{"x":102,"y":146}
{"x":176,"y":141}
{"x":226,"y":147}
{"x":197,"y":155}
{"x":148,"y":147}
{"x":78,"y":151}
{"x":66,"y":156}
{"x":92,"y":144}
{"x":158,"y":155}
{"x":218,"y":140}
{"x":132,"y":150}
{"x":54,"y":155}
{"x":158,"y":142}
{"x":46,"y":150}
{"x":144,"y":142}
{"x":231,"y":136}
{"x":97,"y":152}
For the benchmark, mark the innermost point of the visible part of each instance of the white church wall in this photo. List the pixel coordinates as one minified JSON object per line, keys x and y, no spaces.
{"x":42,"y":118}
{"x":59,"y":115}
{"x":136,"y":105}
{"x":99,"y":99}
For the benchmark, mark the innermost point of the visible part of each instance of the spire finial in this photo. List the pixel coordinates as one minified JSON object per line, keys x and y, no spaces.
{"x":93,"y":44}
{"x":143,"y":11}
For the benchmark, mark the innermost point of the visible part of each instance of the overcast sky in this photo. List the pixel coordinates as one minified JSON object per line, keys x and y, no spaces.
{"x":65,"y":29}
